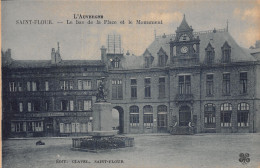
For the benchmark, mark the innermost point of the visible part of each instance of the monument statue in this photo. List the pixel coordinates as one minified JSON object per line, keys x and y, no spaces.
{"x":100,"y":97}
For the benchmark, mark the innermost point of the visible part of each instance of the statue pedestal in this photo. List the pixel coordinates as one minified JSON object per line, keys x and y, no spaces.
{"x":102,"y":120}
{"x":103,"y":136}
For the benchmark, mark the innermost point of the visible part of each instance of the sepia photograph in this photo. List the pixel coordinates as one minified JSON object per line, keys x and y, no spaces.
{"x":130,"y":84}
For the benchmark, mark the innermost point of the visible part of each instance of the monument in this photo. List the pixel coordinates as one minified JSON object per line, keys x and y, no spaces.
{"x":103,"y":136}
{"x":102,"y":114}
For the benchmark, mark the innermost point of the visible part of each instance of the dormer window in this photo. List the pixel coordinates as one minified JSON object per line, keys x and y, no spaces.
{"x":116,"y":63}
{"x":146,"y":62}
{"x":162,"y":57}
{"x":210,"y":54}
{"x":226,"y":53}
{"x":148,"y":59}
{"x":161,"y":60}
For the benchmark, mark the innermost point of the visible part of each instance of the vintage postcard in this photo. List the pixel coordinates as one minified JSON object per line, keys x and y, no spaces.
{"x":173,"y":84}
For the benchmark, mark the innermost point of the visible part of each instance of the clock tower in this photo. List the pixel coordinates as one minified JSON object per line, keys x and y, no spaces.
{"x":184,"y":49}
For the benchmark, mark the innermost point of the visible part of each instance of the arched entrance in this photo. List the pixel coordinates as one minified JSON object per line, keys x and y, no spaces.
{"x":184,"y":115}
{"x":118,"y":117}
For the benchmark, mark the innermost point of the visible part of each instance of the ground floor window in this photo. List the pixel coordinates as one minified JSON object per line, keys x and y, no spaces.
{"x":148,"y":116}
{"x":32,"y":126}
{"x":148,"y":120}
{"x":17,"y":127}
{"x":75,"y":127}
{"x":225,"y":115}
{"x":35,"y":126}
{"x":162,"y":116}
{"x":209,"y":116}
{"x":243,"y":115}
{"x":242,"y":119}
{"x":134,"y":116}
{"x":226,"y":119}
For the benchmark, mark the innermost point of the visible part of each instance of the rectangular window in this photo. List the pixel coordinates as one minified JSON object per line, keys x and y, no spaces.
{"x":87,"y":104}
{"x":147,"y":87}
{"x":12,"y":87}
{"x":14,"y":106}
{"x":80,"y":105}
{"x":29,"y":105}
{"x":61,"y":127}
{"x":20,"y":107}
{"x":47,"y":105}
{"x":67,"y":105}
{"x":226,"y":55}
{"x":66,"y":85}
{"x":84,"y":84}
{"x":226,"y":84}
{"x":146,"y":60}
{"x":28,"y":86}
{"x":210,"y":57}
{"x":33,"y":86}
{"x":84,"y":105}
{"x":36,"y":106}
{"x":71,"y":105}
{"x":209,"y":85}
{"x":46,"y":86}
{"x":243,"y":82}
{"x":133,"y":88}
{"x":20,"y":88}
{"x":117,"y":89}
{"x":161,"y":60}
{"x":161,"y":87}
{"x":185,"y":84}
{"x":18,"y":127}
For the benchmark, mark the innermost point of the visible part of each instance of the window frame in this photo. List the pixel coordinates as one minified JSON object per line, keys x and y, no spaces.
{"x":226,"y":114}
{"x":134,"y":116}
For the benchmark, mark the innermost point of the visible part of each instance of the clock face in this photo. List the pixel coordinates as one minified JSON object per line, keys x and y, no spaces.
{"x":184,"y":49}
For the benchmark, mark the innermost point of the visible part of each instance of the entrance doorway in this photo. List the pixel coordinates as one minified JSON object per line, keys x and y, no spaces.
{"x":118,"y":119}
{"x":184,"y":116}
{"x":162,"y":118}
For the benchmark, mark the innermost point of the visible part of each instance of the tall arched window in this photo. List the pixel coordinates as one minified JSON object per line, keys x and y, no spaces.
{"x":209,"y":116}
{"x":134,"y":116}
{"x":225,"y":112}
{"x":243,"y":114}
{"x":148,"y":116}
{"x":162,"y":118}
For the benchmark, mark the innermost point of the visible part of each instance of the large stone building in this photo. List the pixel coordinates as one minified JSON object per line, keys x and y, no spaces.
{"x":189,"y":82}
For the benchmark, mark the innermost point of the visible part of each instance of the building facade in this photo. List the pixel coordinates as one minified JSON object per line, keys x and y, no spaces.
{"x":188,"y":82}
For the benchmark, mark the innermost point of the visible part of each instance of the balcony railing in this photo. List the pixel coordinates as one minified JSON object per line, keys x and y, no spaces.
{"x":184,"y":97}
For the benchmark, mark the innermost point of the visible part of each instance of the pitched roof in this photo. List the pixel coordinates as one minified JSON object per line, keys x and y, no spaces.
{"x":47,"y":63}
{"x":184,"y":25}
{"x":132,"y":62}
{"x":216,"y":39}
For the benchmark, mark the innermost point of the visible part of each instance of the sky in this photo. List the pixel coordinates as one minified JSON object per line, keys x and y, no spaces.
{"x":34,"y":42}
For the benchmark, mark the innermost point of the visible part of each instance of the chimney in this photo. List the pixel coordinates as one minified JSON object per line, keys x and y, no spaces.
{"x":53,"y":56}
{"x":6,"y":57}
{"x":103,"y":54}
{"x":257,"y":44}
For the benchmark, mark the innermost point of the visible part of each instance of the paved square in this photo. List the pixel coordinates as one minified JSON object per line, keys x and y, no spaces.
{"x":153,"y":150}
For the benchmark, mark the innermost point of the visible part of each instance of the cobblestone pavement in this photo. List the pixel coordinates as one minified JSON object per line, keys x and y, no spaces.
{"x":153,"y":150}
